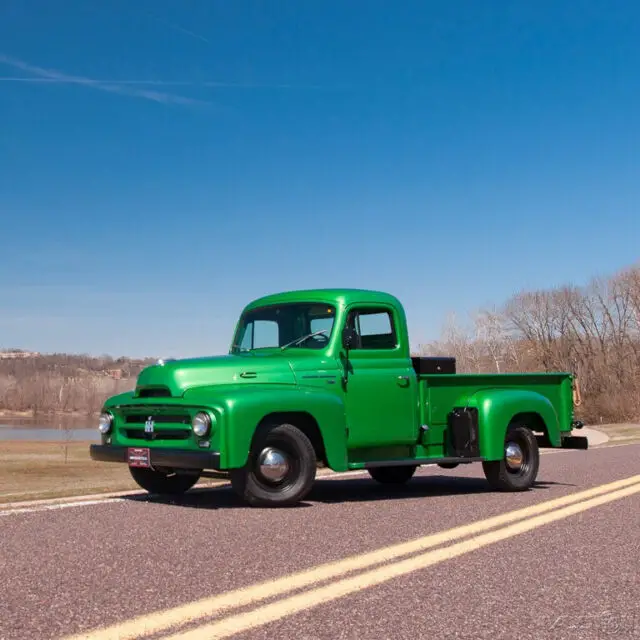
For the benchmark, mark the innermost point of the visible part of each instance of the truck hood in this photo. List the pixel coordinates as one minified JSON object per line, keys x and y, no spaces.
{"x":179,"y":375}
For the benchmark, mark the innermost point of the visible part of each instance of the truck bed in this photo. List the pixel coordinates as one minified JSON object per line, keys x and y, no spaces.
{"x":441,"y":390}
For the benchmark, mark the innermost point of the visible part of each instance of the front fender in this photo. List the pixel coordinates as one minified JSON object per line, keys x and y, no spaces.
{"x":241,"y":408}
{"x":498,"y":407}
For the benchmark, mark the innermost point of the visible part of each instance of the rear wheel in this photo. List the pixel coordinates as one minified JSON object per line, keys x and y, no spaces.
{"x":518,"y":468}
{"x":280,"y":471}
{"x":163,"y":483}
{"x":393,"y":475}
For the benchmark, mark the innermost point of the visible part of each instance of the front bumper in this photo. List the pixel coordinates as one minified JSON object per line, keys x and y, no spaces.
{"x":175,"y":458}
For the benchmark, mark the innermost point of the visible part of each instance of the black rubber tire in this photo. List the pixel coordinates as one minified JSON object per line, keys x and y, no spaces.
{"x":448,"y":465}
{"x":393,"y":475}
{"x":162,"y":483}
{"x":498,"y":474}
{"x":259,"y":492}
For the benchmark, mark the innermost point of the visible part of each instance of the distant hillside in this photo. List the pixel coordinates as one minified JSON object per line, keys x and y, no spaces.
{"x":17,"y":354}
{"x":62,"y":383}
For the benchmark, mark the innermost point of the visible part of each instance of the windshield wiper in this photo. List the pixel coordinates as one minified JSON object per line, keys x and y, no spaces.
{"x":302,"y":339}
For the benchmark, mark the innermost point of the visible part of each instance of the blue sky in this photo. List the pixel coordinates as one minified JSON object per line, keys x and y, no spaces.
{"x":163,"y":162}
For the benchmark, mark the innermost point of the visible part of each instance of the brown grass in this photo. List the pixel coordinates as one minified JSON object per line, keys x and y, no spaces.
{"x":40,"y":470}
{"x":618,"y":432}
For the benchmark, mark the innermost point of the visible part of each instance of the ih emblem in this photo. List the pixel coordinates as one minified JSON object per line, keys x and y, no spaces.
{"x":148,"y":428}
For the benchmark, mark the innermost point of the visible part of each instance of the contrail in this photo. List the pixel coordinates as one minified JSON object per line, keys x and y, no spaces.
{"x":123,"y":88}
{"x":169,"y":83}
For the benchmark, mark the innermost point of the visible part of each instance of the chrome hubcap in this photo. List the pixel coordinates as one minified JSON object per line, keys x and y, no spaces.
{"x":273,"y":464}
{"x":513,"y":456}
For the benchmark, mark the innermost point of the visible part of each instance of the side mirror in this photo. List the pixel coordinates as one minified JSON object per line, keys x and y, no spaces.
{"x":349,"y":338}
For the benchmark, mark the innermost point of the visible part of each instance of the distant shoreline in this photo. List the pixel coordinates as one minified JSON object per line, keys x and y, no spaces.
{"x":62,"y":387}
{"x":8,"y":414}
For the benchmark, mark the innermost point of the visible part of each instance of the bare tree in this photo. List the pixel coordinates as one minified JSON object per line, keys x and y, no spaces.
{"x":592,"y":331}
{"x":62,"y":383}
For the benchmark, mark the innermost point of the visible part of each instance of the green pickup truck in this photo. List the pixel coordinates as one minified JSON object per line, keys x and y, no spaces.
{"x":326,"y":378}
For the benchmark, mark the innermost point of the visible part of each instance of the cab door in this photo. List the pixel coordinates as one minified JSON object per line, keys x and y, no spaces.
{"x":381,"y":393}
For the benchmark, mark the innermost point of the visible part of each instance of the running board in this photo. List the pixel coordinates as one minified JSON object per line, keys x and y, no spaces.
{"x":407,"y":462}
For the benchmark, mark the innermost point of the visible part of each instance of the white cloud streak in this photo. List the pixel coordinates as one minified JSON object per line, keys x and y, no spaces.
{"x":177,"y":27}
{"x":120,"y":87}
{"x":170,"y":83}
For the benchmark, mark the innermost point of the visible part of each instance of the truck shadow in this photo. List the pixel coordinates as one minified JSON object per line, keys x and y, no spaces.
{"x":432,"y":486}
{"x":221,"y":497}
{"x":348,"y":490}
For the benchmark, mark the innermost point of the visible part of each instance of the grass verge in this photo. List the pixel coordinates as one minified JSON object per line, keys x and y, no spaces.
{"x":623,"y":432}
{"x":41,"y":470}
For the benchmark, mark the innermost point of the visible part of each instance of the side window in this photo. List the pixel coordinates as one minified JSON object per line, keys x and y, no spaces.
{"x":375,"y":328}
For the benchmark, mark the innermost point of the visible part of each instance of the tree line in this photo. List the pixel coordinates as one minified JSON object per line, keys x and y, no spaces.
{"x":592,"y":331}
{"x":64,"y":383}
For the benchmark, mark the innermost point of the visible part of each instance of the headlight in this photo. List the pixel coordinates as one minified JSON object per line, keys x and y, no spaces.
{"x":104,"y":422}
{"x":200,"y":424}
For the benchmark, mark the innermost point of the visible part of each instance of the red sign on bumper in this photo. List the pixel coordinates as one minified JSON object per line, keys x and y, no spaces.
{"x":138,"y":457}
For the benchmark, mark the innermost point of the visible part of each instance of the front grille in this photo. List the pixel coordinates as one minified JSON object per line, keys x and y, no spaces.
{"x":164,"y":434}
{"x":162,"y":418}
{"x":167,"y":424}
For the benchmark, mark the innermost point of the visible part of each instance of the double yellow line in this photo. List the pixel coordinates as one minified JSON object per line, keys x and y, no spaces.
{"x":375,"y":568}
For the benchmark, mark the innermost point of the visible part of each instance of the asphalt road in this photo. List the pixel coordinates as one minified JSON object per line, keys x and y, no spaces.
{"x":180,"y":569}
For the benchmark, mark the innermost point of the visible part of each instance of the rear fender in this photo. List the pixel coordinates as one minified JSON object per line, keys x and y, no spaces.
{"x":243,"y":409}
{"x":498,"y":408}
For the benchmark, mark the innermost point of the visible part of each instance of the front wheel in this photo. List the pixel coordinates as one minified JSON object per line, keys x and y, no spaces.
{"x":280,"y":471}
{"x":518,"y":468}
{"x":163,"y":483}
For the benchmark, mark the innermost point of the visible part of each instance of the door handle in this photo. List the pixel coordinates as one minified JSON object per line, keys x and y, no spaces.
{"x":248,"y":374}
{"x":403,"y":381}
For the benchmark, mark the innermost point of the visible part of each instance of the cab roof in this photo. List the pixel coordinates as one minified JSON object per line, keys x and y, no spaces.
{"x":340,"y":297}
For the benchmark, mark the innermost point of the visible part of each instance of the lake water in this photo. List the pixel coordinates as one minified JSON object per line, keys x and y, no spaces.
{"x":48,"y":433}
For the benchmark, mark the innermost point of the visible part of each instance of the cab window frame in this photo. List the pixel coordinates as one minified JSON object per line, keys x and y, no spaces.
{"x":353,"y":321}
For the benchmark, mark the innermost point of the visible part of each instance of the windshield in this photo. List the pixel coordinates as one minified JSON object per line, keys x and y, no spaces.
{"x":279,"y":325}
